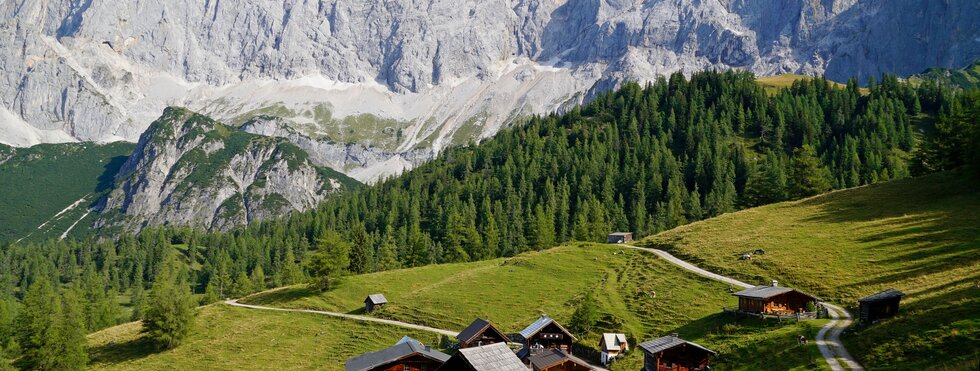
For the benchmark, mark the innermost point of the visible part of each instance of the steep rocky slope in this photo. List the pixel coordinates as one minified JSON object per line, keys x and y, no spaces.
{"x":188,"y":169}
{"x":396,"y":77}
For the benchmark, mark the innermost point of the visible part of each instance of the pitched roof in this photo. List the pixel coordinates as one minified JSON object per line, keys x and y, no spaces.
{"x":620,"y":233}
{"x":551,"y":357}
{"x":493,"y":357}
{"x":766,"y":292}
{"x":376,"y":299}
{"x":887,"y":294}
{"x":401,"y":350}
{"x":478,"y":326}
{"x":612,"y":341}
{"x":539,"y":324}
{"x":668,"y":342}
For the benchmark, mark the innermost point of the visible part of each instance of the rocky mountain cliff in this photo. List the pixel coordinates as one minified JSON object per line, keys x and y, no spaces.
{"x":401,"y":79}
{"x":189,"y":170}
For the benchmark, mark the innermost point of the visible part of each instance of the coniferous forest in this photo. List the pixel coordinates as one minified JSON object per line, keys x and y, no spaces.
{"x":643,"y":158}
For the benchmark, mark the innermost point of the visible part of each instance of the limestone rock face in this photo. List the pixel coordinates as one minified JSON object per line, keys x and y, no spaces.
{"x":188,"y":170}
{"x":399,"y":78}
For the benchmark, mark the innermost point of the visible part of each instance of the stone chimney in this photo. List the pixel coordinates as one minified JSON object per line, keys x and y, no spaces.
{"x":775,"y":283}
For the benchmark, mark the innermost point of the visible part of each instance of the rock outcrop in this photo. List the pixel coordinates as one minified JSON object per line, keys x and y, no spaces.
{"x":188,"y":170}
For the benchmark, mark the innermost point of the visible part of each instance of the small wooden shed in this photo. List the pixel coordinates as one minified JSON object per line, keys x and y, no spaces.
{"x":611,"y":346}
{"x":619,"y":237}
{"x":671,"y":353}
{"x":479,"y":333}
{"x":374,"y":301}
{"x":880,"y":306}
{"x":773,"y":299}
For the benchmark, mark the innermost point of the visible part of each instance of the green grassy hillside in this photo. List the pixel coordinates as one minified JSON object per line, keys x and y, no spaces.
{"x":964,"y":78}
{"x":41,"y":181}
{"x":921,"y":236}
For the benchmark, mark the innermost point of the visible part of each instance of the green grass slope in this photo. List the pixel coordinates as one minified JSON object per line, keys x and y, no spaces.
{"x":41,"y":181}
{"x":921,"y":236}
{"x":964,"y":78}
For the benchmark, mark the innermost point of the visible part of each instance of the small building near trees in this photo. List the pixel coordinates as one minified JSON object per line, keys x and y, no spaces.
{"x":671,"y":353}
{"x":374,"y":301}
{"x":880,"y":306}
{"x":773,"y":299}
{"x":407,"y":354}
{"x":479,"y":333}
{"x":619,"y":237}
{"x":544,"y":334}
{"x":611,"y":346}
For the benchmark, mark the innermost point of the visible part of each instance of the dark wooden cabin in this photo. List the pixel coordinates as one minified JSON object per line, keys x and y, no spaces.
{"x":479,"y":333}
{"x":556,"y":360}
{"x":374,"y":301}
{"x":773,"y":299}
{"x":619,"y":237}
{"x":493,"y":357}
{"x":543,"y":334}
{"x":880,"y":306}
{"x":671,"y":353}
{"x":407,"y":355}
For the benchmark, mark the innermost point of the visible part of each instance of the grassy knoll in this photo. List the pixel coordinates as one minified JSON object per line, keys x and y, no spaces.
{"x":229,"y":338}
{"x":40,"y":181}
{"x":921,"y":236}
{"x":773,"y":83}
{"x":636,"y":293}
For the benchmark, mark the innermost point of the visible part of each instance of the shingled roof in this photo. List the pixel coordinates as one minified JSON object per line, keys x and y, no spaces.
{"x":887,"y":294}
{"x":541,"y":323}
{"x":377,"y":299}
{"x":493,"y":357}
{"x":766,"y":292}
{"x":401,"y":350}
{"x":478,"y":326}
{"x":613,"y":341}
{"x":667,"y":342}
{"x":551,"y":357}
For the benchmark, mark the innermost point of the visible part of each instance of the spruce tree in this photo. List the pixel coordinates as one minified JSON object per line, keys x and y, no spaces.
{"x":810,"y":177}
{"x":170,"y":312}
{"x":329,"y":262}
{"x":37,"y":326}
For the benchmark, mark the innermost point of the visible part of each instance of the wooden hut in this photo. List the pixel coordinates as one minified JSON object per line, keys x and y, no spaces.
{"x":880,"y":306}
{"x":408,"y":354}
{"x":619,"y":237}
{"x":479,"y":333}
{"x":493,"y":357}
{"x":543,"y":334}
{"x":374,"y":301}
{"x":556,"y":360}
{"x":773,"y":299}
{"x":671,"y":353}
{"x":611,"y":346}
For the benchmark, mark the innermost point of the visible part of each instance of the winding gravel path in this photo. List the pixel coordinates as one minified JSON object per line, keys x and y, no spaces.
{"x":831,"y":348}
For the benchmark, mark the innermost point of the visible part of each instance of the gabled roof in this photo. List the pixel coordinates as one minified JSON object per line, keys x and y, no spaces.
{"x":887,"y":294}
{"x":539,"y":324}
{"x":493,"y":357}
{"x":766,"y":292}
{"x":667,"y":342}
{"x":376,"y":299}
{"x":478,"y":327}
{"x":551,"y":357}
{"x":620,"y":233}
{"x":612,"y":341}
{"x":401,"y":350}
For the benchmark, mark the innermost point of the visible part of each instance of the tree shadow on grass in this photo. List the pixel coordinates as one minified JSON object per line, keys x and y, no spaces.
{"x":280,"y":296}
{"x":116,"y":353}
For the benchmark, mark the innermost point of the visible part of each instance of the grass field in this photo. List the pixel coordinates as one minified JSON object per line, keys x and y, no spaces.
{"x":230,"y":338}
{"x":40,"y":181}
{"x":773,"y":83}
{"x":921,"y":236}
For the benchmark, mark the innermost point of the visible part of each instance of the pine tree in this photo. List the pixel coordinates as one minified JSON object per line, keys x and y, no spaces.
{"x":810,"y":177}
{"x":170,"y":311}
{"x":70,"y":334}
{"x":330,"y":261}
{"x":37,"y":327}
{"x":241,"y":286}
{"x":387,"y":256}
{"x":258,"y":278}
{"x":545,"y":228}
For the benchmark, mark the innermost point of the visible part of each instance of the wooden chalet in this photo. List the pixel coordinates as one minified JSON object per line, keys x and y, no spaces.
{"x":493,"y":357}
{"x":544,"y":334}
{"x":671,"y":353}
{"x":773,"y":299}
{"x":407,"y":355}
{"x":611,"y":346}
{"x":556,"y":360}
{"x":619,"y":237}
{"x":479,"y":333}
{"x":374,"y":301}
{"x":880,"y":306}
